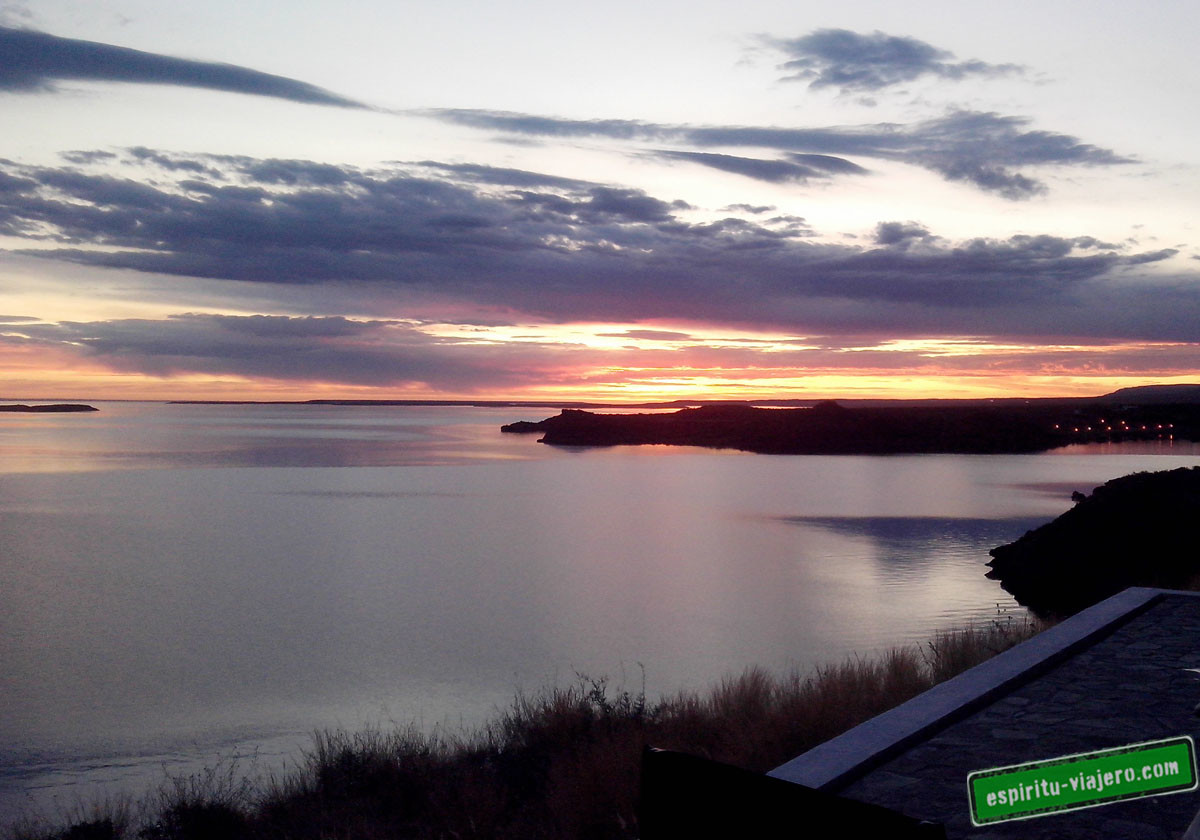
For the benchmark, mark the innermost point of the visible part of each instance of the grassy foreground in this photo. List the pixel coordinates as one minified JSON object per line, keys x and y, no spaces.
{"x":561,"y":764}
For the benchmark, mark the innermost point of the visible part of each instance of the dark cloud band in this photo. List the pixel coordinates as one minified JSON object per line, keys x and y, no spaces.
{"x":576,"y":251}
{"x":32,"y":61}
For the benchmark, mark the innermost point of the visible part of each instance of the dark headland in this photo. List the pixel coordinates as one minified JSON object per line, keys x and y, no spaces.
{"x":946,"y":426}
{"x":54,"y":408}
{"x":1138,"y":530}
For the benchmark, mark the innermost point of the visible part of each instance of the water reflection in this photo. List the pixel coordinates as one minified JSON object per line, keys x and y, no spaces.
{"x":183,"y":579}
{"x":906,"y":533}
{"x":911,"y":556}
{"x":158,"y":436}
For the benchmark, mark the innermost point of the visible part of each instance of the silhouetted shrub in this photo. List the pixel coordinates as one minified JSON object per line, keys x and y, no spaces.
{"x":563,"y":763}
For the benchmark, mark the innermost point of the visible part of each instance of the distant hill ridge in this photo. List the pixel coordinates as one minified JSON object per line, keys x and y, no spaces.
{"x":1155,"y":395}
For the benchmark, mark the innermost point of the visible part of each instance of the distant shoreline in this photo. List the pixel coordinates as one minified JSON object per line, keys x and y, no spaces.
{"x":831,"y":428}
{"x":53,"y":408}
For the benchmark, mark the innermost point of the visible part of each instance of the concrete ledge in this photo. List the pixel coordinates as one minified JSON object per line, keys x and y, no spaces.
{"x":840,"y":760}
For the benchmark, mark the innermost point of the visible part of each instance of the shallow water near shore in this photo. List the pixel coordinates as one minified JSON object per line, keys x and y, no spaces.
{"x":184,"y":582}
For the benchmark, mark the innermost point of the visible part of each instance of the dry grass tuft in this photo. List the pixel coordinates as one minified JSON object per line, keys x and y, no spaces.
{"x":562,"y":763}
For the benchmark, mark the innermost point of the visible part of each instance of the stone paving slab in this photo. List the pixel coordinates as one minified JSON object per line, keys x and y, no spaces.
{"x":1128,"y":687}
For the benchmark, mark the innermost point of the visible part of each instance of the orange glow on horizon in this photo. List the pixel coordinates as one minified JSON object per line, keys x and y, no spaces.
{"x":626,"y":364}
{"x":78,"y":385}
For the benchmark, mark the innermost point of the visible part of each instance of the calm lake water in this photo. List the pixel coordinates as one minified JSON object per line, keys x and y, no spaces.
{"x":182,"y":583}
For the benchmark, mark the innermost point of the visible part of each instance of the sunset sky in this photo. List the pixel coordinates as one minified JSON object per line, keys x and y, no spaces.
{"x":620,"y":201}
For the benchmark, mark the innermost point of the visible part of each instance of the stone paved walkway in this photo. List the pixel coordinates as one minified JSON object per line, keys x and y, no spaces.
{"x":1126,"y":688}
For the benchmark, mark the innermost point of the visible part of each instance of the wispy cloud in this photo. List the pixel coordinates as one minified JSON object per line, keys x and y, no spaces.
{"x":650,"y":335}
{"x":856,"y":63}
{"x":984,"y":149}
{"x":303,"y":349}
{"x":32,"y":62}
{"x":15,"y":13}
{"x":801,"y":168}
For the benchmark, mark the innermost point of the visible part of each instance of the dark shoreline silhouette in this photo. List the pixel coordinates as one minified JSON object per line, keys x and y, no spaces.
{"x":56,"y":408}
{"x":1137,"y":530}
{"x":830,"y":428}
